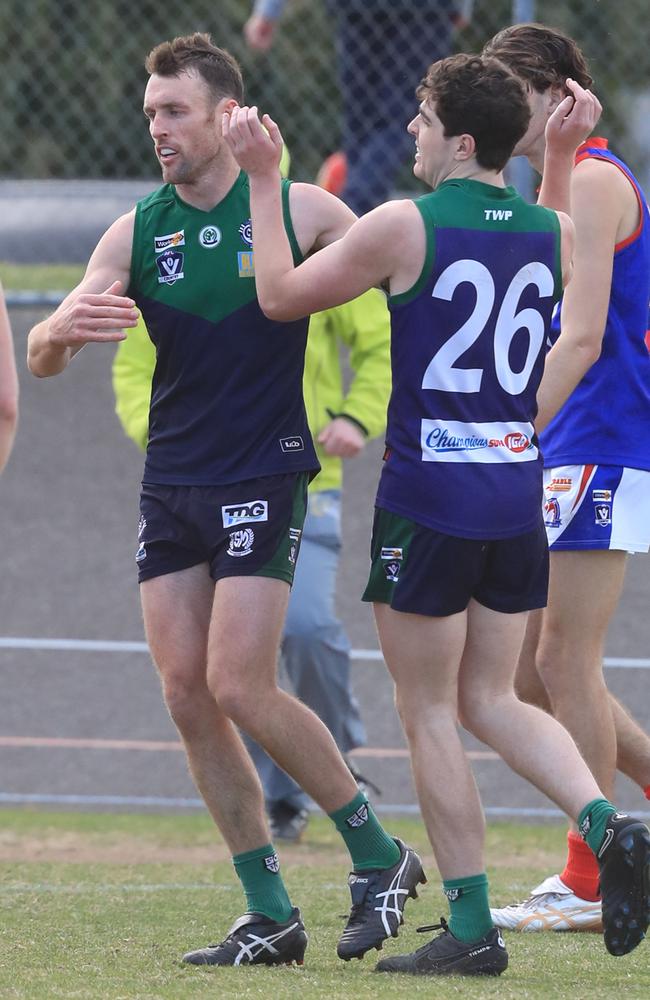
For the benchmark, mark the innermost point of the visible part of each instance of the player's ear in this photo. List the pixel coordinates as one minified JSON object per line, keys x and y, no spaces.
{"x":556,"y":93}
{"x":465,"y":146}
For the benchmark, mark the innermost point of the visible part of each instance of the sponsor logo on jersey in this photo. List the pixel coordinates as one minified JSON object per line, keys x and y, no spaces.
{"x":170,"y":267}
{"x":600,"y":495}
{"x":169,"y":241}
{"x":497,"y":214}
{"x":272,"y":863}
{"x":390,"y":553}
{"x":292,"y":443}
{"x":246,"y":233}
{"x":247,"y":510}
{"x":294,"y":544}
{"x":456,"y":441}
{"x":246,"y":264}
{"x":241,"y":542}
{"x":559,"y":484}
{"x":210,"y":236}
{"x":552,"y":517}
{"x":603,"y":513}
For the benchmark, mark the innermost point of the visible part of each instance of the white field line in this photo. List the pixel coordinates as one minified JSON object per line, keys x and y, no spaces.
{"x":110,"y":646}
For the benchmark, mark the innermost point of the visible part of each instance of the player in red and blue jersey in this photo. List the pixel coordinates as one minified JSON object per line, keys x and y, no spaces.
{"x":594,"y":409}
{"x":459,"y":552}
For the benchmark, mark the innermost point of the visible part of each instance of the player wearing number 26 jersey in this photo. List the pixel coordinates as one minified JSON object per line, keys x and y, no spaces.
{"x":468,"y":354}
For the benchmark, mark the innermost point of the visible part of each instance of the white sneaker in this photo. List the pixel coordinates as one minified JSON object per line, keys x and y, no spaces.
{"x":551,"y":906}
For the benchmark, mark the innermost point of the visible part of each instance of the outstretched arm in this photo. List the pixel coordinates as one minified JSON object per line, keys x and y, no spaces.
{"x":96,"y":310}
{"x":364,"y":257}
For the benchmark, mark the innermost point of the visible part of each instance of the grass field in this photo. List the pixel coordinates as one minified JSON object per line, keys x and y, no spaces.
{"x":39,"y":277}
{"x":101,"y":907}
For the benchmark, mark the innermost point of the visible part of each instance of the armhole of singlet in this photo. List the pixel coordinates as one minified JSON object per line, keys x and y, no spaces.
{"x":637,"y":232}
{"x":288,"y":224}
{"x":430,"y":234}
{"x":136,"y":253}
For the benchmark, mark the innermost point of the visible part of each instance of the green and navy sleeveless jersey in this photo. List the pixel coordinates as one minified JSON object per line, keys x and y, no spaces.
{"x":226,"y":400}
{"x":468,"y":343}
{"x":605,"y":419}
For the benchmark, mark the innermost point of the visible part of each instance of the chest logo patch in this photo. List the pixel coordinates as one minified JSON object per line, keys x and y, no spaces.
{"x":161,"y":243}
{"x":210,"y":236}
{"x":246,"y":264}
{"x":246,"y":233}
{"x":170,"y":267}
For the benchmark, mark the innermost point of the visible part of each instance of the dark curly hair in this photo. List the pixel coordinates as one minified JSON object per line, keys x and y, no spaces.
{"x":481,"y":97}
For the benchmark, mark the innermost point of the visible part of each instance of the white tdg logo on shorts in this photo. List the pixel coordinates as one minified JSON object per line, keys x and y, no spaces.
{"x":247,"y":510}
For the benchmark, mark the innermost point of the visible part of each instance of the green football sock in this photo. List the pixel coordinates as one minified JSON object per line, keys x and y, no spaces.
{"x":592,"y":820}
{"x":469,"y":908}
{"x":259,"y":872}
{"x":367,"y":841}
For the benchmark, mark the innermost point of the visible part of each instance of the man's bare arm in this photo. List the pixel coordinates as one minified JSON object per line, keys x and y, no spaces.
{"x":8,"y":386}
{"x":571,"y":123}
{"x":94,"y":311}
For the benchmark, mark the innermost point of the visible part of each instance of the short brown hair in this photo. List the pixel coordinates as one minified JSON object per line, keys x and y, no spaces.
{"x":481,"y":97}
{"x":198,"y":52}
{"x":542,"y":56}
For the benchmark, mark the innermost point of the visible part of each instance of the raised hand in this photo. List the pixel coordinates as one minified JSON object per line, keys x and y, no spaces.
{"x":573,"y":120}
{"x":256,"y":145}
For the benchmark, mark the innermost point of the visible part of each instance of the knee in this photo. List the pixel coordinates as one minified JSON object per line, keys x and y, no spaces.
{"x":236,"y":700}
{"x":477,"y":710}
{"x":186,"y":701}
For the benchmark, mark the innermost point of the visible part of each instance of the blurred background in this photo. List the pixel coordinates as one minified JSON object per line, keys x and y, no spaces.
{"x":81,"y":718}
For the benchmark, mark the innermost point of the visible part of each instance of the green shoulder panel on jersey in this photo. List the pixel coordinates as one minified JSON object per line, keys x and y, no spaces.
{"x":197,"y":262}
{"x":467,"y":204}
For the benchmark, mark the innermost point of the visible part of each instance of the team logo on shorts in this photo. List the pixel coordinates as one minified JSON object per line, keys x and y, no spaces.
{"x":141,"y":553}
{"x":161,"y":243}
{"x":294,"y":544}
{"x":210,"y":236}
{"x":170,"y":267}
{"x":272,"y":863}
{"x":241,"y":513}
{"x":392,"y":560}
{"x":142,"y":524}
{"x":603,"y":512}
{"x":559,"y":484}
{"x":391,"y":569}
{"x":552,"y":517}
{"x":241,"y":542}
{"x":246,"y":232}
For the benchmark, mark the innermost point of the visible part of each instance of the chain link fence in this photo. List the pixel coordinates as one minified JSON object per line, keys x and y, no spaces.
{"x":71,"y":90}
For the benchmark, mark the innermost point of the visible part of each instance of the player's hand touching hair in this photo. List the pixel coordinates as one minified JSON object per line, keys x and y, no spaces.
{"x":574,"y":119}
{"x":256,"y":145}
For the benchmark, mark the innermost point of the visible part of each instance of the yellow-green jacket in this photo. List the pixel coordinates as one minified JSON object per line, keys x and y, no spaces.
{"x":362,"y":326}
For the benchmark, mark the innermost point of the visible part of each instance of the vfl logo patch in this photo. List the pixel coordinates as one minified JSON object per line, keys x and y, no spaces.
{"x":292,"y":443}
{"x":170,"y":267}
{"x":161,"y":243}
{"x":358,"y":818}
{"x":241,"y":513}
{"x":272,"y":863}
{"x":246,"y":264}
{"x":210,"y":236}
{"x":603,"y":514}
{"x":246,"y":232}
{"x":294,"y":544}
{"x":391,"y":569}
{"x":241,"y":542}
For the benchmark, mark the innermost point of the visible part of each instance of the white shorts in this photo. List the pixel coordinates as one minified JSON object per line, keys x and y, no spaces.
{"x":597,"y":507}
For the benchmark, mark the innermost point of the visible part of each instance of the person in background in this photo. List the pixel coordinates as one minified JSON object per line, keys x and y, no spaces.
{"x":381,"y":47}
{"x":315,"y":647}
{"x":8,"y":386}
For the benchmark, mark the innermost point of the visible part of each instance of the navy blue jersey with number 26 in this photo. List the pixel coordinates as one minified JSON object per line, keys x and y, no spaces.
{"x":468,"y":343}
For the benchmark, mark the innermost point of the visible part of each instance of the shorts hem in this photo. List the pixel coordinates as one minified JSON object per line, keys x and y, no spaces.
{"x":269,"y":574}
{"x":587,"y":545}
{"x":145,"y":575}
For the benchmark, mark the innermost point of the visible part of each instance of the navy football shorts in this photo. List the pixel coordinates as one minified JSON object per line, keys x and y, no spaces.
{"x":425,"y":572}
{"x":252,"y":528}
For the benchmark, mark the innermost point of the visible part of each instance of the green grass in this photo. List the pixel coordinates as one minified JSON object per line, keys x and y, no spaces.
{"x":39,"y":277}
{"x":100,"y":907}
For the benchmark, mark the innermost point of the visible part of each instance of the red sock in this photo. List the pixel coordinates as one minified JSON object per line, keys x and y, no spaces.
{"x":581,"y":873}
{"x":646,"y":792}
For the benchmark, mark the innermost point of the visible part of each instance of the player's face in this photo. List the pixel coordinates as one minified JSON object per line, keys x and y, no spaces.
{"x":185,"y":126}
{"x":434,"y":153}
